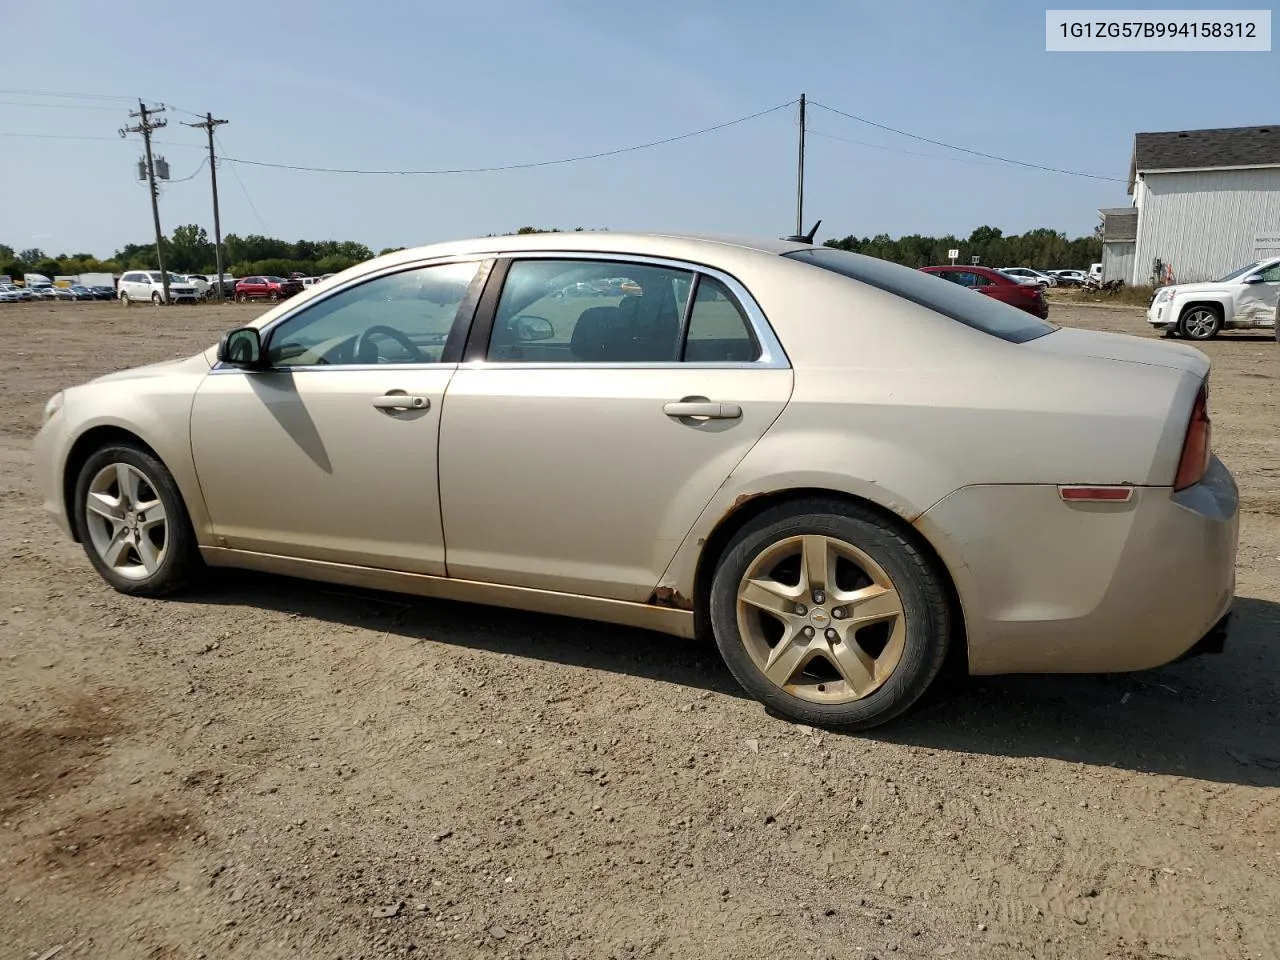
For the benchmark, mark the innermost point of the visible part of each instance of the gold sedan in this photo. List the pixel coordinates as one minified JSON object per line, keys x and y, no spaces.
{"x":841,"y":469}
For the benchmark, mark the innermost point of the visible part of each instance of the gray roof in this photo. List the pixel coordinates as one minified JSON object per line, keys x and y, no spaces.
{"x":1119,"y":223}
{"x":1205,"y":149}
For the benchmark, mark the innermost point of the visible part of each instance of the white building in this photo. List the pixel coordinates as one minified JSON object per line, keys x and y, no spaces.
{"x":1206,"y":202}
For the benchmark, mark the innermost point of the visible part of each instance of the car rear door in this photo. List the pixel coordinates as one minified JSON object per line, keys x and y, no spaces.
{"x":582,"y":437}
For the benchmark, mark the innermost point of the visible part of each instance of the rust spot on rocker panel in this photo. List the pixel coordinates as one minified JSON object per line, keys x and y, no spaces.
{"x":670,"y":597}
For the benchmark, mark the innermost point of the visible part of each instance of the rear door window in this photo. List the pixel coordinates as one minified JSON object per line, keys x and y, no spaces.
{"x":987,"y":314}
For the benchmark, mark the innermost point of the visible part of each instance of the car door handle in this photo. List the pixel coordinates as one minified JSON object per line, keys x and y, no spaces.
{"x":401,"y":401}
{"x":702,"y":409}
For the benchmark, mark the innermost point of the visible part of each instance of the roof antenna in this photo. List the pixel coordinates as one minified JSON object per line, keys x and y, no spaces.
{"x":808,"y":237}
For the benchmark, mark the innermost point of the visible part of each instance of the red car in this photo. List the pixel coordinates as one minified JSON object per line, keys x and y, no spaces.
{"x":1024,"y":296}
{"x":265,"y":288}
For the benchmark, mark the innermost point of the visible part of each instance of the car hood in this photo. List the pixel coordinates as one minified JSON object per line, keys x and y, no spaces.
{"x":199,"y":363}
{"x":1206,"y":286}
{"x":1122,"y":348}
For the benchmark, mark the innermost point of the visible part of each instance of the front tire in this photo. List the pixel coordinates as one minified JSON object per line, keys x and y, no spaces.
{"x":156,"y":299}
{"x":830,"y":614}
{"x":132,"y":522}
{"x":1200,"y":323}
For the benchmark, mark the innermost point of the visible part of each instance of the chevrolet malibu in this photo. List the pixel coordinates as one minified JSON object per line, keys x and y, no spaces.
{"x":840,"y":469}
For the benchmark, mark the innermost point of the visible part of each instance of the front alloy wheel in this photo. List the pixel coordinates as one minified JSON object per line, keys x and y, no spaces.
{"x":127,"y":522}
{"x":131,"y":520}
{"x":1199,"y":323}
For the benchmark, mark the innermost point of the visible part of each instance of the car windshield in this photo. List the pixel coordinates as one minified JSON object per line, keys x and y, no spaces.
{"x":274,"y":280}
{"x":154,"y":276}
{"x":1238,"y":272}
{"x":949,"y":299}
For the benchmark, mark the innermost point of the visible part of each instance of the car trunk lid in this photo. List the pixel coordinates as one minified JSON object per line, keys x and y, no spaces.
{"x":1123,"y":349}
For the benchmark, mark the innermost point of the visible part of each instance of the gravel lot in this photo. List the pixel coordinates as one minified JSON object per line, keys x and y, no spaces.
{"x":269,"y":768}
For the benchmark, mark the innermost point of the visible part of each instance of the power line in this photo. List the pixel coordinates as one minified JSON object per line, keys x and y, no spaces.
{"x":193,"y":176}
{"x":976,"y":153}
{"x":236,"y":174}
{"x":55,"y":136}
{"x":63,"y":96}
{"x":514,"y":166}
{"x":57,"y":106}
{"x":909,"y":153}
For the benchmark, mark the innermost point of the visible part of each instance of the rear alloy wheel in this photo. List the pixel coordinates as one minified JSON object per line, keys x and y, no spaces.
{"x":132,"y":522}
{"x":1200,"y":323}
{"x":827,"y":613}
{"x":124,"y":298}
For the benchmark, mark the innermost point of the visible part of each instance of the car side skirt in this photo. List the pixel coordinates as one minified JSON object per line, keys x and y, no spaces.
{"x":641,"y":615}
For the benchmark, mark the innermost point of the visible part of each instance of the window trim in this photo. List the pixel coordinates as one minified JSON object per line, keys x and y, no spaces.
{"x":772,"y":356}
{"x":452,"y":352}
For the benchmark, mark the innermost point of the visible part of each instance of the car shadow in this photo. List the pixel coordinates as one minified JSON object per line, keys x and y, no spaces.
{"x":1214,"y":717}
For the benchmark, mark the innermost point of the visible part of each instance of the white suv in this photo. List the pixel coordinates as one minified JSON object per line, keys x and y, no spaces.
{"x":1244,"y":299}
{"x":144,"y":285}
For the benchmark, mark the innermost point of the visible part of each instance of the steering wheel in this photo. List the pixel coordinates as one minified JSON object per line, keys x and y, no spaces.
{"x":364,"y":344}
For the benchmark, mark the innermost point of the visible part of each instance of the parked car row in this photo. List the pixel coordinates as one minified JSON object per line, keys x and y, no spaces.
{"x":12,"y":293}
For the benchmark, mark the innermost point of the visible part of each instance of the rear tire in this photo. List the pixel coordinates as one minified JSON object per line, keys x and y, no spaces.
{"x":1200,"y":322}
{"x":124,"y":298}
{"x":852,"y":669}
{"x":137,"y":534}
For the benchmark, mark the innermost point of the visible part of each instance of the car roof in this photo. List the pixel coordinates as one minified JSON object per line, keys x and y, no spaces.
{"x":602,"y":241}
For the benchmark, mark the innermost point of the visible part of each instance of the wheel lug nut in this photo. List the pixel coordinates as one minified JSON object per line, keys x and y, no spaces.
{"x":832,"y":634}
{"x":838,"y":613}
{"x":809,"y":631}
{"x":801,"y":609}
{"x":819,"y":596}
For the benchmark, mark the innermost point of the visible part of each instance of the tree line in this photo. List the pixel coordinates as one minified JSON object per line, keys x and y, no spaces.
{"x":1041,"y":249}
{"x":189,"y":250}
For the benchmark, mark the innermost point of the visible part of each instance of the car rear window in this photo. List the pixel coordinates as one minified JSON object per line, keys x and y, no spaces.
{"x":936,"y":293}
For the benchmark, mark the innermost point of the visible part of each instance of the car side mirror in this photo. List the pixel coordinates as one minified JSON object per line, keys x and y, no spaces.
{"x":1256,"y":278}
{"x":528,"y":328}
{"x":241,"y":348}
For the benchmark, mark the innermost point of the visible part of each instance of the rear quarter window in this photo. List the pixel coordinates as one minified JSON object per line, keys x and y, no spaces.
{"x":931,"y":291}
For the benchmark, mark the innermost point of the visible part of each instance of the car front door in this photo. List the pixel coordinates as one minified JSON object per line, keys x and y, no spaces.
{"x":582,"y":437}
{"x":330,"y":454}
{"x":1256,"y":300}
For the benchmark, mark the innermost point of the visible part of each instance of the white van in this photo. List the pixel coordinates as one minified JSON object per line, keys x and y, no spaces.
{"x":143,"y":285}
{"x":1095,"y":272}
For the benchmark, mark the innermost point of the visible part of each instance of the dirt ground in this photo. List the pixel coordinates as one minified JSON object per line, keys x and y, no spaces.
{"x":265,"y":767}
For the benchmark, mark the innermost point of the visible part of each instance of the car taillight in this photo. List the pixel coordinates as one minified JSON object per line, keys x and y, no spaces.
{"x":1195,"y":447}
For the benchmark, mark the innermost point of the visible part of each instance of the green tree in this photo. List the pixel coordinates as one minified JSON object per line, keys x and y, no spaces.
{"x":31,"y":255}
{"x":189,"y":249}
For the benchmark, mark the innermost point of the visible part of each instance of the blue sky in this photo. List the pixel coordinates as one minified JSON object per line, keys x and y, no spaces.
{"x":412,"y":85}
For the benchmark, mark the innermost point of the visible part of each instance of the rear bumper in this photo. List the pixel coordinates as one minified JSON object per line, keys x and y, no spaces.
{"x":1048,"y":587}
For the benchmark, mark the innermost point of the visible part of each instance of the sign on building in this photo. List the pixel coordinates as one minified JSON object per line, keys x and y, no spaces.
{"x":1266,"y":243}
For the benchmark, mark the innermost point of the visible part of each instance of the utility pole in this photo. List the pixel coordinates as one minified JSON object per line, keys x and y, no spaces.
{"x":208,"y":125}
{"x":145,"y":125}
{"x":800,"y":175}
